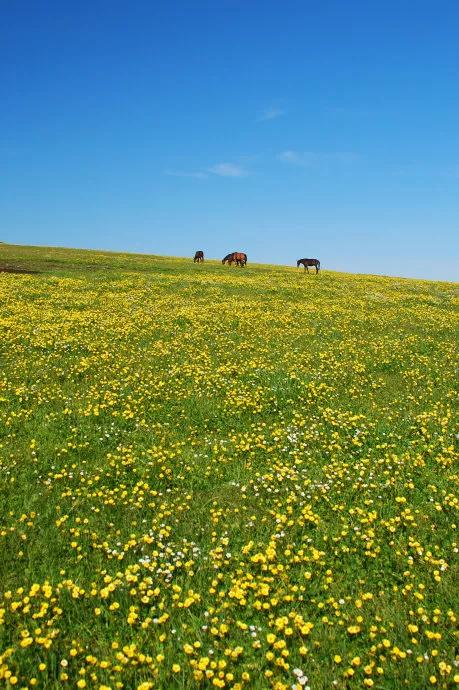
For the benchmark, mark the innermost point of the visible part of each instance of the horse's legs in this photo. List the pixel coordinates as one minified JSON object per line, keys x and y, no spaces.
{"x":306,"y":268}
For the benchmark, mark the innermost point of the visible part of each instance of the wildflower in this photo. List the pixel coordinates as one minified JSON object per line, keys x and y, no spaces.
{"x":353,"y":629}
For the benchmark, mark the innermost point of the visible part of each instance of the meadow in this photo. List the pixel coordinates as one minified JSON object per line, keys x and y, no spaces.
{"x":217,"y":477}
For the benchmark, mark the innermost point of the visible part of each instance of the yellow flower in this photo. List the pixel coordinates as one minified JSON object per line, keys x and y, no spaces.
{"x":353,"y":629}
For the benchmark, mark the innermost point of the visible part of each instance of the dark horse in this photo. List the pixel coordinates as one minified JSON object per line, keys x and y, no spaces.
{"x":309,"y":262}
{"x":239,"y":258}
{"x":198,"y":257}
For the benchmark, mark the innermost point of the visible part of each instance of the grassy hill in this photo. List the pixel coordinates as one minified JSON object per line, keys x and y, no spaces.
{"x":224,"y":477}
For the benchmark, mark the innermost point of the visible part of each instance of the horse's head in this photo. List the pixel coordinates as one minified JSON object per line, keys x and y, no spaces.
{"x":298,"y":263}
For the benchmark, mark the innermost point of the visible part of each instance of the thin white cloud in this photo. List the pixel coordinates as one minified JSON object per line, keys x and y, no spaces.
{"x":219,"y":169}
{"x":271,"y":113}
{"x":228,"y":170}
{"x":178,"y":173}
{"x":290,"y":157}
{"x":310,"y":158}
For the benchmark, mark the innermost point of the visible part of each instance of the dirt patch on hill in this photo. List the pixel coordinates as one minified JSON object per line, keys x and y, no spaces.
{"x":16,"y":269}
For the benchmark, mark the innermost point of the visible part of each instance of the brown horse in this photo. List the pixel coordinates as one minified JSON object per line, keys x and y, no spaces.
{"x":309,"y":262}
{"x":239,"y":258}
{"x":198,"y":257}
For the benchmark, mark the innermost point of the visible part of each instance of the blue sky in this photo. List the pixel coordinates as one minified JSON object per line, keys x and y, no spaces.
{"x":283,"y":129}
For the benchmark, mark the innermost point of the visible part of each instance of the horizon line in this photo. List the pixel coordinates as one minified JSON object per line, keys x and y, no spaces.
{"x":218,"y":260}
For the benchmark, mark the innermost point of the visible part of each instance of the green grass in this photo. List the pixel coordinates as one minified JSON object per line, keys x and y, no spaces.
{"x":195,"y":458}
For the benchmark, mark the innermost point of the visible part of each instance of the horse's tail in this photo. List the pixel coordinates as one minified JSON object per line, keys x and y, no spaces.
{"x":318,"y":263}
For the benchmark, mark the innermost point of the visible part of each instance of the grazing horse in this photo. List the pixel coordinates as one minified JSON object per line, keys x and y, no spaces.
{"x":239,"y":258}
{"x":198,"y":257}
{"x":309,"y":262}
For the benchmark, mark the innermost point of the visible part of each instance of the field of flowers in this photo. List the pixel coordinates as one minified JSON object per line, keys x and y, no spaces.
{"x":215,"y":477}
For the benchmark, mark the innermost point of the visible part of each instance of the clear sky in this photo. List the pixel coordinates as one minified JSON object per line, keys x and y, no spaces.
{"x":317,"y":128}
